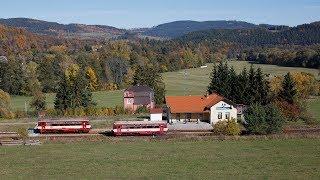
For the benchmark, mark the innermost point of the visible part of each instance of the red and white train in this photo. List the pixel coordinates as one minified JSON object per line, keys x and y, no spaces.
{"x":63,"y":126}
{"x":139,"y":128}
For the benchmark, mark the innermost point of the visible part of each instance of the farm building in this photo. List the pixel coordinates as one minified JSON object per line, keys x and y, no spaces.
{"x":137,"y":96}
{"x":210,"y":109}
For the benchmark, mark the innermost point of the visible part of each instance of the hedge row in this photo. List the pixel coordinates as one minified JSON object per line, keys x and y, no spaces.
{"x":77,"y":112}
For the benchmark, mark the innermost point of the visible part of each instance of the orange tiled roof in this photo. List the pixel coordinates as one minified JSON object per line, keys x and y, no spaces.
{"x":192,"y":104}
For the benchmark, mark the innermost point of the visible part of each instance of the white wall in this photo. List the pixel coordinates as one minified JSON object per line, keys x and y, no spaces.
{"x":156,"y":117}
{"x":222,"y":107}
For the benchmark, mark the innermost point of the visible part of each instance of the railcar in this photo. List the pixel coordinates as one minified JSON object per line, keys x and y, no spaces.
{"x":63,"y":126}
{"x":121,"y":128}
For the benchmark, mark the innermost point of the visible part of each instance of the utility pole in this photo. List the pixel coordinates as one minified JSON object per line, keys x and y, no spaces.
{"x":186,"y":78}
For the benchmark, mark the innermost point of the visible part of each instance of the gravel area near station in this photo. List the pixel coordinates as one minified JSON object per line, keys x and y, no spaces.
{"x":190,"y":126}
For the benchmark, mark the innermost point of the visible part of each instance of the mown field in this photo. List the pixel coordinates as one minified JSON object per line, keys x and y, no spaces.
{"x":172,"y":159}
{"x":185,"y":82}
{"x":314,"y":107}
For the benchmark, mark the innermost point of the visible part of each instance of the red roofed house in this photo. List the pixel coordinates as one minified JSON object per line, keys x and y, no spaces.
{"x":211,"y":108}
{"x":137,"y":96}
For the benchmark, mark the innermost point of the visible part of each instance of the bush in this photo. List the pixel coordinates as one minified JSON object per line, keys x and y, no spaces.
{"x":219,"y":128}
{"x":119,"y":110}
{"x":21,"y":114}
{"x":263,"y":119}
{"x":22,"y":133}
{"x":290,"y":111}
{"x":230,"y":127}
{"x":142,"y":109}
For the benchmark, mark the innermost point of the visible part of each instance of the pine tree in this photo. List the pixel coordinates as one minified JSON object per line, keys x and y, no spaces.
{"x":233,"y":83}
{"x":74,"y":90}
{"x":219,"y":80}
{"x":243,"y":87}
{"x":288,"y":91}
{"x":213,"y":86}
{"x":262,"y":88}
{"x":252,"y":88}
{"x":63,"y":97}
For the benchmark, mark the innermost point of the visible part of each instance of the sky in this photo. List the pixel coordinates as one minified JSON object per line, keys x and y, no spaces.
{"x":147,"y":13}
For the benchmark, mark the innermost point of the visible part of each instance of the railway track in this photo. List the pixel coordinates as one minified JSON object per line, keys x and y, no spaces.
{"x":108,"y":132}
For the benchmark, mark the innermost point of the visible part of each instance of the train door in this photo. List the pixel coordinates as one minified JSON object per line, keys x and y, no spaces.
{"x":119,"y":129}
{"x":161,"y":128}
{"x":84,"y":124}
{"x":42,"y":126}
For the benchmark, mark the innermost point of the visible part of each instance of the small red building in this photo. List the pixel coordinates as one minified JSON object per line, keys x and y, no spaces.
{"x":137,"y":96}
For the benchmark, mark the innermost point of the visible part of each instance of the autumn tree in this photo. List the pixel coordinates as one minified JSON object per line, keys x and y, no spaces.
{"x":33,"y":87}
{"x":92,"y":78}
{"x":32,"y":84}
{"x":5,"y":105}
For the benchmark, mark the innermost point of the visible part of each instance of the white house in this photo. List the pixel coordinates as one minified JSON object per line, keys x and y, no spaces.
{"x":211,"y":108}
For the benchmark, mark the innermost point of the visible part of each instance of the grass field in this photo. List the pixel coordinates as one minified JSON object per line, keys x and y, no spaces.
{"x":178,"y":159}
{"x":102,"y":98}
{"x":314,"y":108}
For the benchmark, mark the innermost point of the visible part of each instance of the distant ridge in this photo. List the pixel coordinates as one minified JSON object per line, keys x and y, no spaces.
{"x":66,"y":30}
{"x":180,"y":28}
{"x":305,"y":34}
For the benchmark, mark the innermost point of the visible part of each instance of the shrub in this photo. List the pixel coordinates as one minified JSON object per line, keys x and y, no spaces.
{"x":230,"y":127}
{"x":5,"y":105}
{"x":119,"y":110}
{"x":219,"y":127}
{"x":263,"y":119}
{"x":22,"y":133}
{"x":142,"y":109}
{"x":289,"y":111}
{"x":21,"y":114}
{"x":79,"y":112}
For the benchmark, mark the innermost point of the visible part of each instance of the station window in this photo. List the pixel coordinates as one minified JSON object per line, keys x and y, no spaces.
{"x":227,"y":115}
{"x":219,"y":115}
{"x":178,"y":116}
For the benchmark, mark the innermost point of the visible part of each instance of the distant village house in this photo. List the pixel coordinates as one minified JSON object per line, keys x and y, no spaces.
{"x":138,"y":96}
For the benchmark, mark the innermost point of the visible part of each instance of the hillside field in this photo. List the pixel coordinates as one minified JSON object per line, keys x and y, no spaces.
{"x":170,"y":159}
{"x":184,"y":82}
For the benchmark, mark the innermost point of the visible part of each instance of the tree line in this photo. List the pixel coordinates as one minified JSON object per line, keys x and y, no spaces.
{"x":269,"y":102}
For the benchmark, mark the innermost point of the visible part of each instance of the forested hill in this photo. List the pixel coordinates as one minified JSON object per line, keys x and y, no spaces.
{"x":17,"y":41}
{"x":179,"y":28}
{"x":68,"y":30}
{"x":306,"y":34}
